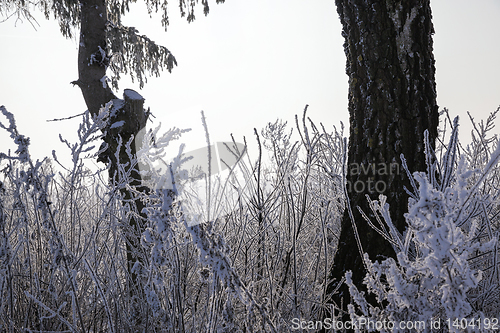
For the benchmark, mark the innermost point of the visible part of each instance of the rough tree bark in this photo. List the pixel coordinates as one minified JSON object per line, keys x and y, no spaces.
{"x":392,"y":100}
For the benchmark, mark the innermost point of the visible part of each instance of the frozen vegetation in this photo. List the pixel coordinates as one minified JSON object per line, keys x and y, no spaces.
{"x":255,"y":262}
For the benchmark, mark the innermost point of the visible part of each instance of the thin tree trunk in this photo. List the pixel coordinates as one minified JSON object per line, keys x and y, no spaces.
{"x":392,"y":100}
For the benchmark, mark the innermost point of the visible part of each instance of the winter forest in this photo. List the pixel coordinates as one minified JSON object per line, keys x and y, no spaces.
{"x":389,"y":225}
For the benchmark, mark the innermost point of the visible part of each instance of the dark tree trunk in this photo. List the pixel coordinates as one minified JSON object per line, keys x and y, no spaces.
{"x":130,"y":111}
{"x":392,"y":100}
{"x":92,"y":64}
{"x":92,"y":55}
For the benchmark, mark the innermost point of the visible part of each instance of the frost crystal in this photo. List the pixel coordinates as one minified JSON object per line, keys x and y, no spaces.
{"x":403,"y":36}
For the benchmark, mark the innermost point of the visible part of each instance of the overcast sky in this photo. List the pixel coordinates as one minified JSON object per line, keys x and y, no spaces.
{"x":247,"y":63}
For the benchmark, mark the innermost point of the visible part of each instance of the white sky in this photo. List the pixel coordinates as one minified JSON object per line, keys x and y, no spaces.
{"x":247,"y":63}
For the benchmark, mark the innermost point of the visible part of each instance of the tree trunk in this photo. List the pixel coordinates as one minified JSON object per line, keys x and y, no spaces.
{"x":392,"y":100}
{"x":93,"y":60}
{"x":92,"y":55}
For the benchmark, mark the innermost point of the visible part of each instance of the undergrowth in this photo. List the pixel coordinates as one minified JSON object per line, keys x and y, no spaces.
{"x":250,"y":257}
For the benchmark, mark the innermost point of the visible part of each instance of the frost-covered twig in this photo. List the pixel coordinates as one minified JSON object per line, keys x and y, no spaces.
{"x":434,"y":278}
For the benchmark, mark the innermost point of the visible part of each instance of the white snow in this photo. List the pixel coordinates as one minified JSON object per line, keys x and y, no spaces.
{"x":132,"y":94}
{"x":118,"y":124}
{"x":403,"y":38}
{"x":117,"y":105}
{"x":103,"y":80}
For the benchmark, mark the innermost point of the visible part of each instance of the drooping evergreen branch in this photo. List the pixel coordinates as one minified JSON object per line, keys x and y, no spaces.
{"x":137,"y":55}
